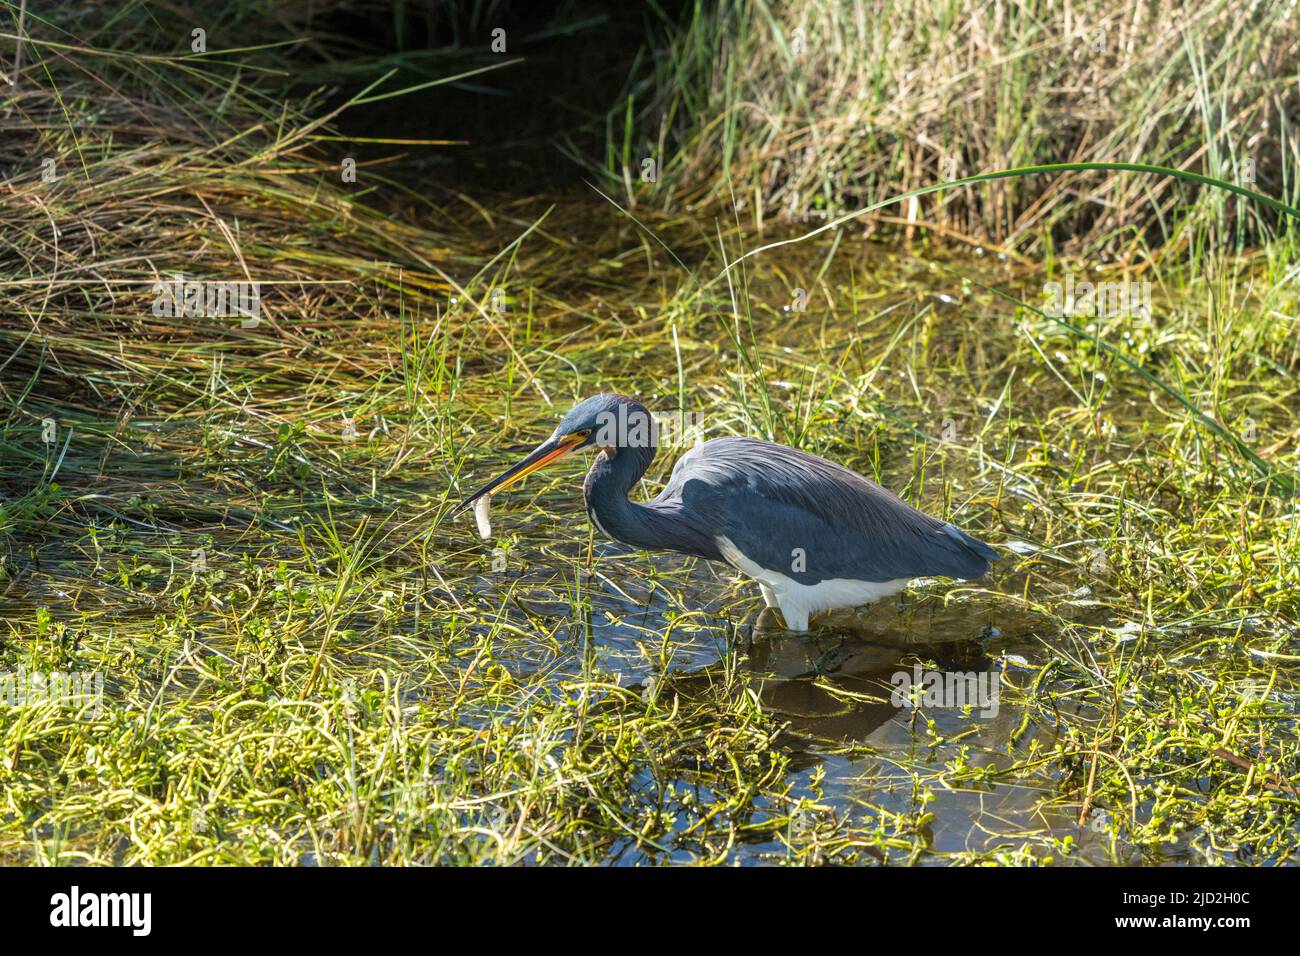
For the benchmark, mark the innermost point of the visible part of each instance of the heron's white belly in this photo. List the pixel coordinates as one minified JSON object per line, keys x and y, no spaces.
{"x":797,"y":601}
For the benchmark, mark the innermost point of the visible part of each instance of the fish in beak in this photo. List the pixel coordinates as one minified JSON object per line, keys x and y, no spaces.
{"x":551,"y":450}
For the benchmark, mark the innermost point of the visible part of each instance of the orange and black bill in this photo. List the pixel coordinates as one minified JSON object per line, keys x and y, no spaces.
{"x":553,"y":449}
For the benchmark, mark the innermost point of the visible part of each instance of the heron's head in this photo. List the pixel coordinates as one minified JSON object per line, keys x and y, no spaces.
{"x":607,"y":421}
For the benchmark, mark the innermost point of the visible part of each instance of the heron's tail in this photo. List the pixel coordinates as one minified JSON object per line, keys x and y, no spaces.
{"x":978,"y":555}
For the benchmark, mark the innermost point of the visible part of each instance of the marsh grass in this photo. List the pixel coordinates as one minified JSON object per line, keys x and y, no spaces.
{"x":305,"y":664}
{"x":808,"y":109}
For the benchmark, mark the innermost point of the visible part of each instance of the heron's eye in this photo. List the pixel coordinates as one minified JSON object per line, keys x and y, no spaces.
{"x":584,"y":434}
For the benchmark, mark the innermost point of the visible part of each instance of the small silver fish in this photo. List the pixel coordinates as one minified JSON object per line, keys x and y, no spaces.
{"x":481,"y":507}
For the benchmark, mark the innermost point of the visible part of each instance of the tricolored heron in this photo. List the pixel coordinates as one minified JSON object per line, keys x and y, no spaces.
{"x":814,"y":535}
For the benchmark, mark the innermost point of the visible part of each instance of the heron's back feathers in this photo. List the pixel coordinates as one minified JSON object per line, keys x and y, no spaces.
{"x":814,"y":520}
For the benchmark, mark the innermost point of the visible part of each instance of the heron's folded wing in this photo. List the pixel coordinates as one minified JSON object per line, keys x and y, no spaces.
{"x":786,"y":509}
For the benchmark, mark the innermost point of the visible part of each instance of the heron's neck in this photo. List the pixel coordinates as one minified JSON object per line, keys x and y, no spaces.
{"x":611,"y":477}
{"x":659,"y":525}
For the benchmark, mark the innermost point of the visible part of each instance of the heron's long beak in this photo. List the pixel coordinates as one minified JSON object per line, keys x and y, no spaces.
{"x":553,"y":449}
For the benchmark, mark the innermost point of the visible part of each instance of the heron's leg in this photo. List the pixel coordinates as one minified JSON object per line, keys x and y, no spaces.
{"x":769,"y":596}
{"x":794,"y":612}
{"x":767,"y":623}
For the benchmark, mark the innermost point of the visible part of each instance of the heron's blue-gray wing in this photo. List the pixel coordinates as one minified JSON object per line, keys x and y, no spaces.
{"x":811,"y":519}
